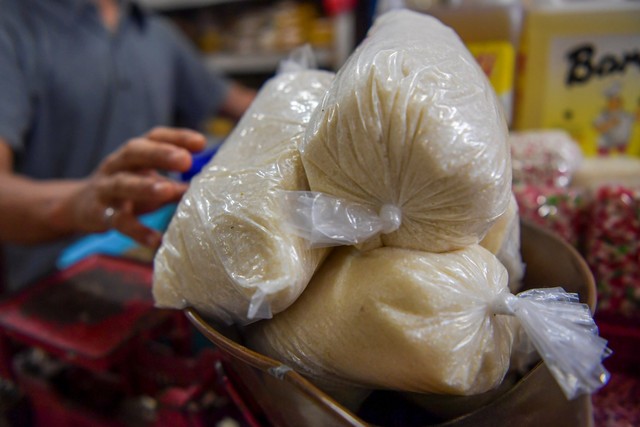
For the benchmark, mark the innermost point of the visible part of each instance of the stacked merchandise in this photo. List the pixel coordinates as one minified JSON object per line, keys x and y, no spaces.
{"x":597,"y":212}
{"x":362,"y":228}
{"x":594,"y":204}
{"x":612,"y":248}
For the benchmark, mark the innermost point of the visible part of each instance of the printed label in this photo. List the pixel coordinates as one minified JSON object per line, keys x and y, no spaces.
{"x":593,"y":91}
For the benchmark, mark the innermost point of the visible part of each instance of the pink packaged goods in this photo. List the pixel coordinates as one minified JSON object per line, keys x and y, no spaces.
{"x":612,"y":248}
{"x":558,"y":209}
{"x":546,"y":157}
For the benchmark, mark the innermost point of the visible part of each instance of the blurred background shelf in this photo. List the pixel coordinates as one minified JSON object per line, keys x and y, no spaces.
{"x":248,"y":39}
{"x":261,"y":62}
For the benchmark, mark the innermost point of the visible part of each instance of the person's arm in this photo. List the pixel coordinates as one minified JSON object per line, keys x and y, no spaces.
{"x":237,"y":101}
{"x":127,"y":181}
{"x":30,"y":208}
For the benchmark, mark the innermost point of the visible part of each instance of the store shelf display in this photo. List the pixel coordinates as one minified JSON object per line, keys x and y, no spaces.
{"x":244,"y":37}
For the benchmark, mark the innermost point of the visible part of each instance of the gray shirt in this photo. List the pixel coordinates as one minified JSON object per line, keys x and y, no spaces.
{"x":71,"y":92}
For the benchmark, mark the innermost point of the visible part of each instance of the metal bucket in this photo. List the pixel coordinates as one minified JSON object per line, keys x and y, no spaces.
{"x":286,"y":398}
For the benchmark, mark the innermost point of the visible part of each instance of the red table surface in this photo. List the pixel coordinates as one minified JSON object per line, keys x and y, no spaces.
{"x":86,"y":312}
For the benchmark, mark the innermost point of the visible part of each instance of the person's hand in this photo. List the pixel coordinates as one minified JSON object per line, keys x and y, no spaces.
{"x":128,"y":183}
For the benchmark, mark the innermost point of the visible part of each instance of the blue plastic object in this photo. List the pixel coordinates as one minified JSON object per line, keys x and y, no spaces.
{"x":113,"y":242}
{"x":199,"y":160}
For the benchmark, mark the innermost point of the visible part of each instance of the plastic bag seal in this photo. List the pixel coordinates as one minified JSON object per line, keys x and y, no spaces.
{"x":326,"y":220}
{"x":563,"y":332}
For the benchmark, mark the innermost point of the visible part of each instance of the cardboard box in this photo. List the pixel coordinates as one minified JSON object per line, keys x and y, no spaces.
{"x":579,"y":70}
{"x":497,"y":59}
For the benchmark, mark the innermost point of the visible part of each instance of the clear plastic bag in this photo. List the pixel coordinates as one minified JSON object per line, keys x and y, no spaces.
{"x":398,"y":319}
{"x":564,"y":334}
{"x":423,"y":322}
{"x":411,"y":122}
{"x":503,"y":240}
{"x":226,"y":251}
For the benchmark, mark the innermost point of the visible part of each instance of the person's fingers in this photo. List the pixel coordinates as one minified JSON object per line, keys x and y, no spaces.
{"x":185,"y":138}
{"x":178,"y":190}
{"x":141,"y":154}
{"x":139,"y":188}
{"x":124,"y":220}
{"x":161,"y":148}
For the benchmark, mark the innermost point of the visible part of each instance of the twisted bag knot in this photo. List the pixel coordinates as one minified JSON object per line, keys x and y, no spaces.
{"x":504,"y":303}
{"x":391,"y":218}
